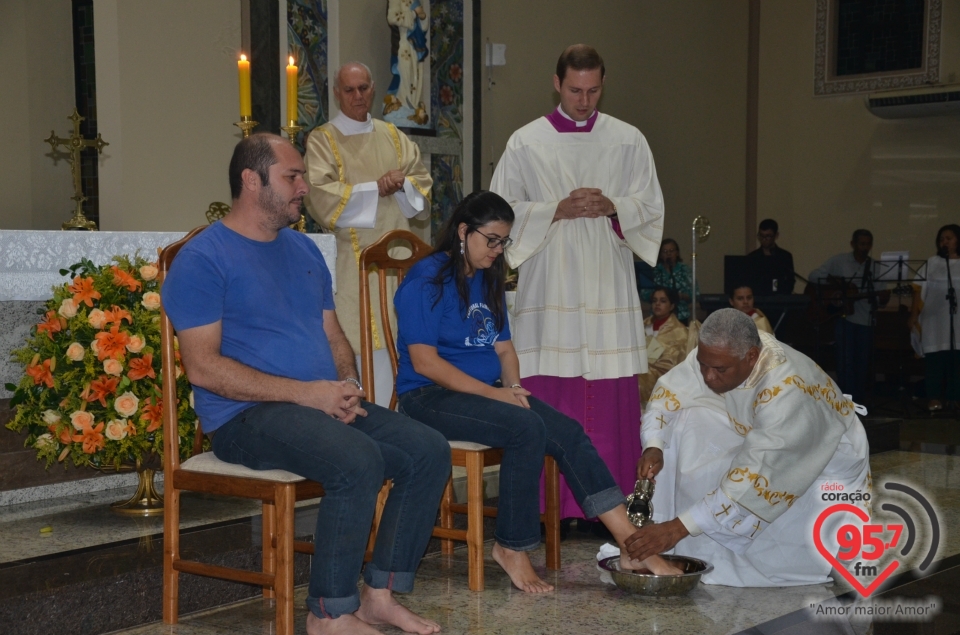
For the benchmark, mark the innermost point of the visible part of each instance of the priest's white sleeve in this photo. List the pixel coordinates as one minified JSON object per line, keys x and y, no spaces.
{"x":411,"y":201}
{"x":640,"y":211}
{"x":360,"y":211}
{"x":727,"y":523}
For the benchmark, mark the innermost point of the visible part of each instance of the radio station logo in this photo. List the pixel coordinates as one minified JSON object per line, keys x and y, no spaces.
{"x":869,"y":553}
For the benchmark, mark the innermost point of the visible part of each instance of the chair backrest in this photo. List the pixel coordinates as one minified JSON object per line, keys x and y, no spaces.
{"x":376,"y":259}
{"x":168,"y":366}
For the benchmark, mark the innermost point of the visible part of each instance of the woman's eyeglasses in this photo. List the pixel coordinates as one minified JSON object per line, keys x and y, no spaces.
{"x":493,"y":242}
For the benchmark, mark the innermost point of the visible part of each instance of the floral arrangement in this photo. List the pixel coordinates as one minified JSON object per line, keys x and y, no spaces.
{"x":91,"y":392}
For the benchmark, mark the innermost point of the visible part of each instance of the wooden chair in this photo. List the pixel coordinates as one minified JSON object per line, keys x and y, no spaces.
{"x":204,"y":472}
{"x":471,"y":456}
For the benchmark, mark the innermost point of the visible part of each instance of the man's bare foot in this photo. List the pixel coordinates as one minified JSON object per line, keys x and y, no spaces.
{"x":518,"y":567}
{"x":348,"y":624}
{"x":654,"y":564}
{"x":378,"y":606}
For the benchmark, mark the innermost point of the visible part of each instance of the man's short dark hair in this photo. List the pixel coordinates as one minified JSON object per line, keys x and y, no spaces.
{"x":579,"y":57}
{"x":769,"y":223}
{"x":252,"y":153}
{"x":737,"y":286}
{"x":857,"y":233}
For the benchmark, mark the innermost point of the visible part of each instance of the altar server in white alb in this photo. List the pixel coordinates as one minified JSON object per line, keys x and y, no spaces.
{"x":366,"y":179}
{"x":584,"y":190}
{"x":749,"y":442}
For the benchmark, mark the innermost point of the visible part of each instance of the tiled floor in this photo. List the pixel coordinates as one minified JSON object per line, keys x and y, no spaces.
{"x":582,"y":604}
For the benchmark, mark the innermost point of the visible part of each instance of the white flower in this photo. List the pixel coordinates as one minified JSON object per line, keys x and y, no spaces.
{"x":126,"y":404}
{"x":44,"y":441}
{"x":67,"y":308}
{"x":151,"y":300}
{"x":116,"y":429}
{"x":75,"y":352}
{"x":51,"y":417}
{"x":148,"y":272}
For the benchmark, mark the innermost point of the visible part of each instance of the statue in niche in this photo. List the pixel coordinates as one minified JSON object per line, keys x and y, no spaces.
{"x":403,"y":104}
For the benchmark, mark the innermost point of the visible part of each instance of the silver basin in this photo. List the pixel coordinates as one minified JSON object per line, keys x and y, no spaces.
{"x":658,"y":585}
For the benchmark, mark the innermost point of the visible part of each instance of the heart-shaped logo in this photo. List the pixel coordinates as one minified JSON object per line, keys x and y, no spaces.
{"x":832,"y":559}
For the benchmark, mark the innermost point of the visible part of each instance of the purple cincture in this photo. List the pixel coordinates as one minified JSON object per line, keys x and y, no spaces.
{"x":562,"y":124}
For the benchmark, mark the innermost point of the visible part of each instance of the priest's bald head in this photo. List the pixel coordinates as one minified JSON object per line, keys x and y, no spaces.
{"x":579,"y":80}
{"x":728,"y":349}
{"x":353,"y":88}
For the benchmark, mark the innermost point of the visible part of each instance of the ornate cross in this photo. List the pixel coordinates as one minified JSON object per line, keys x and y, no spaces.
{"x":74,"y":144}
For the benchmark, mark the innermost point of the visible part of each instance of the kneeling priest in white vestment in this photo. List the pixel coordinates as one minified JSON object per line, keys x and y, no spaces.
{"x":744,"y":438}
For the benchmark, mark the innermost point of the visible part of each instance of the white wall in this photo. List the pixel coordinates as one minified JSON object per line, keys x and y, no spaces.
{"x":37,"y":96}
{"x":167,"y":97}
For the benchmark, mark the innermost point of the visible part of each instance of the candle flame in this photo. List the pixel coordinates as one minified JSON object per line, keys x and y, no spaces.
{"x":291,"y":60}
{"x":243,"y":58}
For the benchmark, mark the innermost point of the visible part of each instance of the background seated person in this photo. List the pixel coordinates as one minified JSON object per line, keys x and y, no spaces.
{"x":459,"y":374}
{"x":744,"y":436}
{"x":741,"y":298}
{"x":671,"y":272}
{"x":666,"y":339}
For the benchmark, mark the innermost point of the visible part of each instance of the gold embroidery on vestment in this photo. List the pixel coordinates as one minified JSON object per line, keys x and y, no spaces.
{"x":672,"y":404}
{"x":760,"y":484}
{"x":826,"y":393}
{"x":738,"y":427}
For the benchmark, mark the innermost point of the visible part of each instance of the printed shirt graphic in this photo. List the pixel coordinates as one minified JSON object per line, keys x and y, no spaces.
{"x":463,"y":336}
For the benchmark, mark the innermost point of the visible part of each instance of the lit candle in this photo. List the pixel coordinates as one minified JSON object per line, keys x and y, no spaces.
{"x":292,"y":99}
{"x":243,"y":66}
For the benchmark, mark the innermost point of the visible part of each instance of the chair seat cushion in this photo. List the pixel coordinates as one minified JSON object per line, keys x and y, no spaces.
{"x":208,"y":463}
{"x":468,"y":445}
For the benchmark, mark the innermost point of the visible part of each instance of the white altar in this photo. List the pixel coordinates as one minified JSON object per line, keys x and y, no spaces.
{"x":30,"y":264}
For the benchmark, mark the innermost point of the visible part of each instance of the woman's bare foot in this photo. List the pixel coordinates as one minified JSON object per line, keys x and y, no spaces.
{"x":378,"y":606}
{"x":348,"y":624}
{"x":518,"y":567}
{"x":654,"y":564}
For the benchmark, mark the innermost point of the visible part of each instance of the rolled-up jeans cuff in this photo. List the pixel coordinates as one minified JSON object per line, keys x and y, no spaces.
{"x":332,"y":608}
{"x":399,"y":581}
{"x":602,"y":502}
{"x":518,"y":545}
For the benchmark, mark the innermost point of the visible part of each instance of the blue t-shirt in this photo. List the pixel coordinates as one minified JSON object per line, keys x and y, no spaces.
{"x":465,"y":338}
{"x":270,"y":297}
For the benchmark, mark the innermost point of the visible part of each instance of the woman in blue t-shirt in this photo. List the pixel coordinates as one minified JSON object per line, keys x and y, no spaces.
{"x":459,"y":374}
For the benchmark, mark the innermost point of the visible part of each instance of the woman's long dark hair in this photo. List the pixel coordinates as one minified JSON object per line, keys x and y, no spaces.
{"x":955,"y":229}
{"x":476,"y":210}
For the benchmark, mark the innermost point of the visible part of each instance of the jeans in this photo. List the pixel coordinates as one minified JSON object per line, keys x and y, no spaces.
{"x":351,"y":461}
{"x":526,"y":436}
{"x":854,"y":343}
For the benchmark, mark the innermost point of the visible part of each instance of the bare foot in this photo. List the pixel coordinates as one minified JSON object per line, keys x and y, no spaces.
{"x":654,"y":564}
{"x":348,"y":624}
{"x":378,"y":606}
{"x":518,"y":567}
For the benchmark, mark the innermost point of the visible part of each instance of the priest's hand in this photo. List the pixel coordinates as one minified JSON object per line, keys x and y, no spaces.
{"x":650,"y":464}
{"x":586,"y":202}
{"x":653,"y":539}
{"x":390,"y":183}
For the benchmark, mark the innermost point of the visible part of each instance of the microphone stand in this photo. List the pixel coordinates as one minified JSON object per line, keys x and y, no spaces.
{"x":952,"y":301}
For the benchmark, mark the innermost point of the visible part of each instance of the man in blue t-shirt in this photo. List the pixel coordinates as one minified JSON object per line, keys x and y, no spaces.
{"x":275,"y":382}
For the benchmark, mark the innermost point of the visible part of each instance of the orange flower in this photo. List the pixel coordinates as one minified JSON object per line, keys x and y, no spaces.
{"x":131,"y":429}
{"x":64,"y":435}
{"x":83,"y":291}
{"x":112,"y":343}
{"x":41,"y":373}
{"x":141,"y":367}
{"x":152,"y":413}
{"x":115,"y":314}
{"x":53,"y":324}
{"x":99,"y":389}
{"x":92,"y":438}
{"x":123,"y":279}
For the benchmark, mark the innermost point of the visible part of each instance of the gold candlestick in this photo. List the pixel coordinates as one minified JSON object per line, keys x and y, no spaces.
{"x":291,"y":129}
{"x":74,"y":144}
{"x":246,"y":124}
